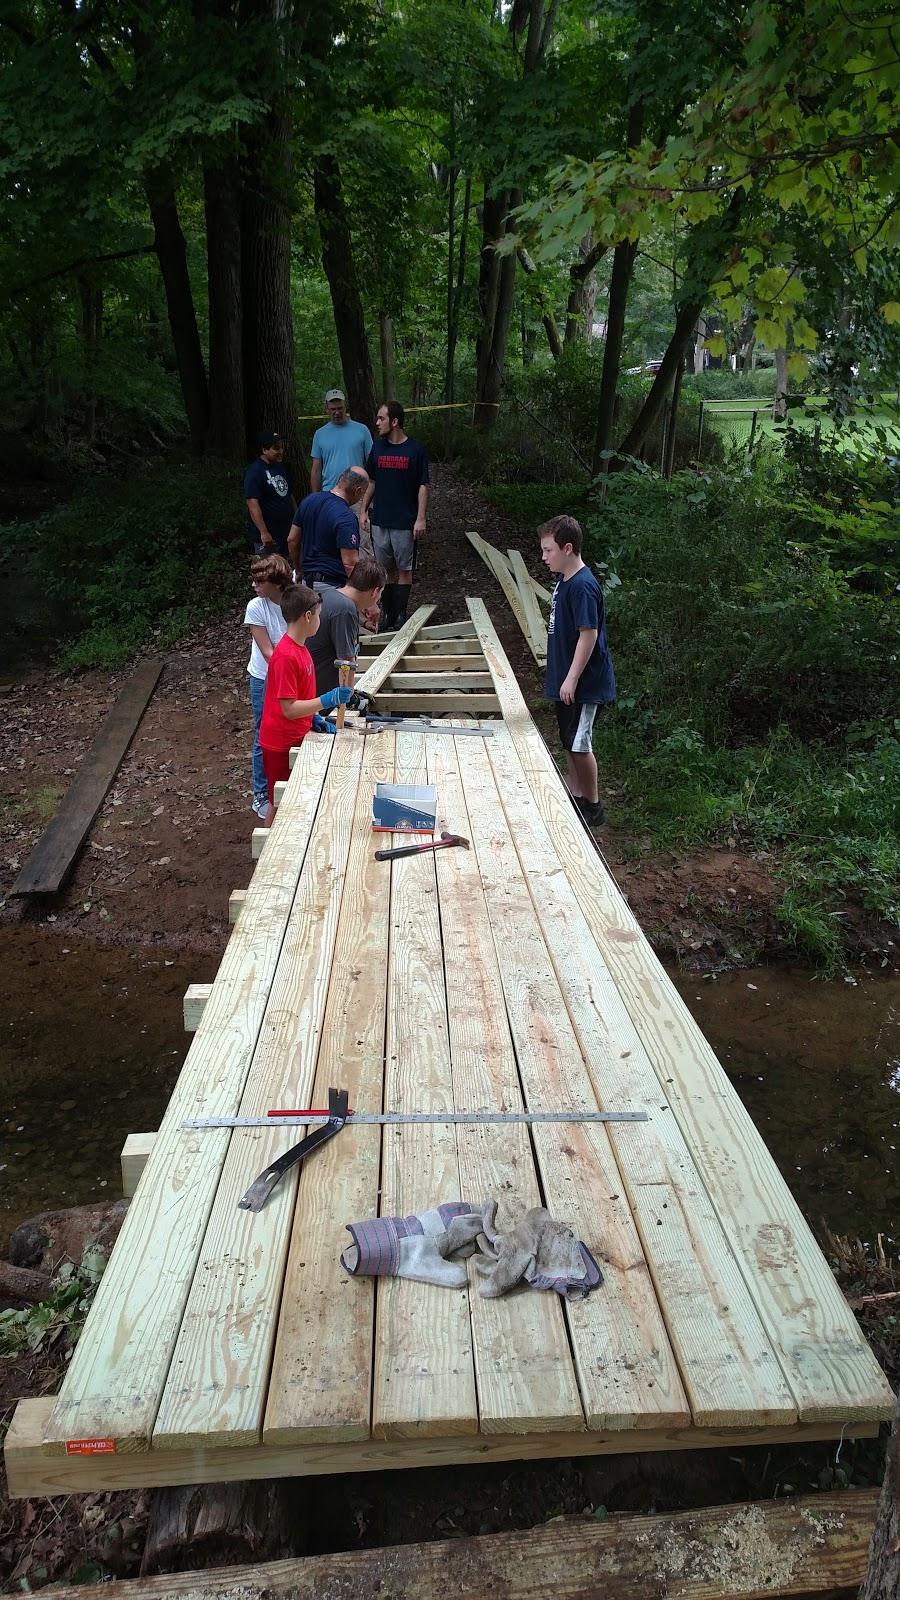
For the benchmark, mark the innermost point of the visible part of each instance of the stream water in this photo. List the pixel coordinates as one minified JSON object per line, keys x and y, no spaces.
{"x":92,"y":1040}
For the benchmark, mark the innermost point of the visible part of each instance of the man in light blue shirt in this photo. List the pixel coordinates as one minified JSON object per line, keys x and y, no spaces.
{"x":340,"y":443}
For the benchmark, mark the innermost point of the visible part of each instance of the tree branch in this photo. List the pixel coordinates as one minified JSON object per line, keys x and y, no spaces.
{"x":83,"y":261}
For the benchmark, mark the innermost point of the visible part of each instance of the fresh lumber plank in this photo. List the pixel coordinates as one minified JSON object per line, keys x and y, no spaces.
{"x":116,"y":1377}
{"x":321,"y":1383}
{"x":537,"y":628}
{"x":194,"y":1004}
{"x":444,"y":647}
{"x":424,"y":1380}
{"x":798,"y":1548}
{"x":497,"y":564}
{"x":218,"y":1378}
{"x":515,"y":556}
{"x":136,"y":1153}
{"x":52,"y":858}
{"x":728,"y":1367}
{"x":450,"y":630}
{"x":432,"y":662}
{"x":278,"y":790}
{"x":235,"y":902}
{"x":832,"y":1371}
{"x":32,"y":1471}
{"x":461,"y":704}
{"x":259,"y":837}
{"x":402,"y":682}
{"x":523,"y":1365}
{"x":374,"y":677}
{"x":627,"y":1371}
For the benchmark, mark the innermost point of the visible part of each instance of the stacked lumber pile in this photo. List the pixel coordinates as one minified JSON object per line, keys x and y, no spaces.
{"x":521,"y":590}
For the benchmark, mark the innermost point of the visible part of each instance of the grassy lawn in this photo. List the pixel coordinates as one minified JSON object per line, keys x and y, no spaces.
{"x":732,"y":420}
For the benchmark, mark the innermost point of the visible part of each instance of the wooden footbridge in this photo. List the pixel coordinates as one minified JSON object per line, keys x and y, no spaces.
{"x":228,"y":1344}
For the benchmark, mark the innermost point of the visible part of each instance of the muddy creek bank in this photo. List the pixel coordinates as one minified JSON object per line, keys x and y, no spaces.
{"x":92,"y":1041}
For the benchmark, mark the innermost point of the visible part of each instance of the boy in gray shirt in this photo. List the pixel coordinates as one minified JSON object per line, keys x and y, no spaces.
{"x":337,"y":638}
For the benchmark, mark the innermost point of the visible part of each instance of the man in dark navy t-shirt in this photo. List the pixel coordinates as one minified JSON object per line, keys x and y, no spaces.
{"x":270,"y":498}
{"x":398,"y":468}
{"x":324,"y":539}
{"x":580,"y":673}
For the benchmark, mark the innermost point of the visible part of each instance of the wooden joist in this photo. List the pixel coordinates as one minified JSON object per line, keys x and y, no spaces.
{"x":33,"y":1469}
{"x":413,"y":662}
{"x":459,"y":704}
{"x":439,"y":681}
{"x":135,"y":1154}
{"x":235,"y":902}
{"x":113,"y":1385}
{"x":831,"y":1370}
{"x":53,"y":856}
{"x":521,"y":598}
{"x":194,"y":1004}
{"x":795,"y":1548}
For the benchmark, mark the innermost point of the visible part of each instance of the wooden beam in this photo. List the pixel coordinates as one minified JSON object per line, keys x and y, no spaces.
{"x":498,"y":566}
{"x":135,"y":1155}
{"x":235,"y":901}
{"x":52,"y":858}
{"x":258,"y":840}
{"x":35,"y":1468}
{"x":399,"y":681}
{"x":278,"y":791}
{"x":450,"y":630}
{"x":537,"y":628}
{"x":797,"y":1548}
{"x":445,"y":705}
{"x":370,"y":682}
{"x":443,"y":647}
{"x":194,"y":1004}
{"x":417,"y":659}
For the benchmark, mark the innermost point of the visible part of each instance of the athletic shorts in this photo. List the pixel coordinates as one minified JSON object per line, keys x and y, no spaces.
{"x":394,"y":547}
{"x":277,"y":767}
{"x":575,"y":725}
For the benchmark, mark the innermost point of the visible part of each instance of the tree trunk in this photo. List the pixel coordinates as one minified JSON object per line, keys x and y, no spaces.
{"x":699,"y":346}
{"x":338,"y":264}
{"x":453,"y":325}
{"x":582,"y":299}
{"x":623,"y":263}
{"x":222,"y":198}
{"x":547,"y":317}
{"x":209,"y":1525}
{"x":654,"y":405}
{"x":499,"y":281}
{"x":882,"y":1580}
{"x":779,"y":408}
{"x":91,"y":330}
{"x":171,"y":252}
{"x":388,"y":369}
{"x":672,"y":423}
{"x":267,"y":352}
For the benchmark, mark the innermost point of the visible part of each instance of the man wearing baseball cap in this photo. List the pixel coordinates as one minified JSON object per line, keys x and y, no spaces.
{"x":270,"y":497}
{"x":340,"y":443}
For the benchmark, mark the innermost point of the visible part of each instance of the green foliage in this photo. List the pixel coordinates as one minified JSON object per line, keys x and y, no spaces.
{"x":758,"y":693}
{"x":721,"y":384}
{"x":131,"y":560}
{"x":62,"y":1315}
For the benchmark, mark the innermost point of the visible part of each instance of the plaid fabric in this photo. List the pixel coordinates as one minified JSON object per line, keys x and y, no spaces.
{"x":568,"y":1286}
{"x":378,"y":1239}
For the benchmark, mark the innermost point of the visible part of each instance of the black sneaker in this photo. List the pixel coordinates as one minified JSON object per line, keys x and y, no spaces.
{"x":592,"y":812}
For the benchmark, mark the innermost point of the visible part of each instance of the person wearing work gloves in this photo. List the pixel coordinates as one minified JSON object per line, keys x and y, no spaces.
{"x":291,"y":701}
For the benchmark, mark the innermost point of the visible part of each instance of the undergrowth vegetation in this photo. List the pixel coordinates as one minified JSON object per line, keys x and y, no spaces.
{"x":757,"y":652}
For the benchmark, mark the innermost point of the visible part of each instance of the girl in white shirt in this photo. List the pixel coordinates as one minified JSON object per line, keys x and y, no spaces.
{"x":270,"y":575}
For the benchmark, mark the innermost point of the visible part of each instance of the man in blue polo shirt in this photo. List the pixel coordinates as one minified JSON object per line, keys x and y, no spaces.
{"x":398,"y":468}
{"x":324,"y":540}
{"x":580,"y":673}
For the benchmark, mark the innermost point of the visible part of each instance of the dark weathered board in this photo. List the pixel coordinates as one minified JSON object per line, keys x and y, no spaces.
{"x":51,"y":859}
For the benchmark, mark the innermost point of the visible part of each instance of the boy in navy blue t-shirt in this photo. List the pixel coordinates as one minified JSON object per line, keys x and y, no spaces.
{"x":580,"y":673}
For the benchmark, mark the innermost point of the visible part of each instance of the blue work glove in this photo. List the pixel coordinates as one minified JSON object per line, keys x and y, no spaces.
{"x":335,"y":697}
{"x":321,"y":726}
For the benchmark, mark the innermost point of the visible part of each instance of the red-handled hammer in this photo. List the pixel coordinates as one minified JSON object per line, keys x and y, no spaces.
{"x":446,"y":842}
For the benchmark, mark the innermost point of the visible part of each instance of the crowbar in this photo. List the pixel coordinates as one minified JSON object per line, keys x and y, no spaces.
{"x":261,"y":1187}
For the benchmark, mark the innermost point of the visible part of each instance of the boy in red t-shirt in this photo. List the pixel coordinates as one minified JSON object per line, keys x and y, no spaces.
{"x":291,"y":700}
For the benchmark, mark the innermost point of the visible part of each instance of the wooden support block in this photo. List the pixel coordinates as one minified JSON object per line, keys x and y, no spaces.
{"x":445,"y":705}
{"x":195,"y":998}
{"x":135,"y":1155}
{"x":399,"y":681}
{"x":258,"y":841}
{"x":235,"y":901}
{"x":278,"y":791}
{"x":820,"y":1543}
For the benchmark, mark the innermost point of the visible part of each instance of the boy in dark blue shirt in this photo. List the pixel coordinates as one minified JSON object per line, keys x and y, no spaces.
{"x":580,"y":673}
{"x":398,"y":468}
{"x":270,"y":498}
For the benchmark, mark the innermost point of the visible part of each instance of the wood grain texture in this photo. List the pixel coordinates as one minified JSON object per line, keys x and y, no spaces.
{"x":424,"y":1373}
{"x":498,"y":566}
{"x":215,"y":1392}
{"x":727,"y":1365}
{"x":402,"y":681}
{"x":790,"y":1547}
{"x":52,"y":858}
{"x":193,"y":1005}
{"x":446,"y":704}
{"x":832,"y":1371}
{"x":386,"y":660}
{"x":135,"y":1155}
{"x":523,"y":1365}
{"x":113,"y":1385}
{"x":627,"y":1371}
{"x":32,"y":1471}
{"x":235,"y":902}
{"x":321,"y":1382}
{"x":537,"y":627}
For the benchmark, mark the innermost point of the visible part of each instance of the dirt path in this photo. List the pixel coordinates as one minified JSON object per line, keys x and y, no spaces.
{"x":172,"y":837}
